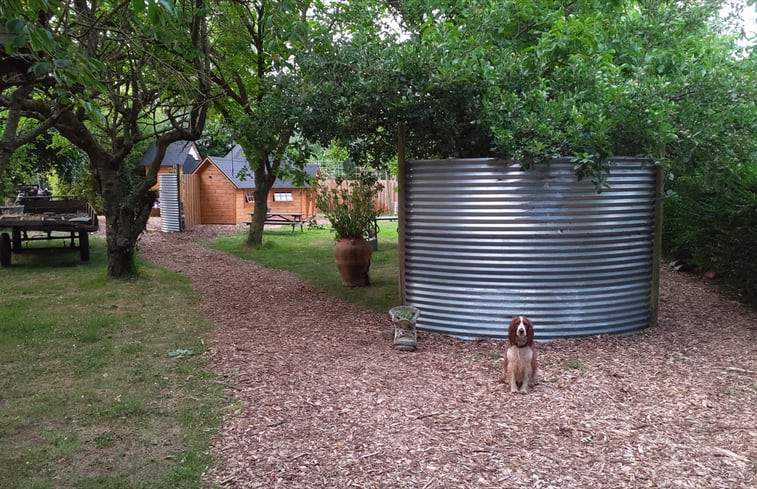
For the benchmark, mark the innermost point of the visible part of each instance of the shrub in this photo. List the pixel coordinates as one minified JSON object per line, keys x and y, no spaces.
{"x":80,"y":186}
{"x":349,"y":207}
{"x":711,"y":221}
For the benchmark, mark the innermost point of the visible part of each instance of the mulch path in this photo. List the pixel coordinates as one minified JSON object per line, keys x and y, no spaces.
{"x":320,"y":399}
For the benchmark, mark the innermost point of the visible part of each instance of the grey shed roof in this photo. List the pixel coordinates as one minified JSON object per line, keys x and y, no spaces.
{"x":236,"y":152}
{"x":177,"y":153}
{"x":233,"y":167}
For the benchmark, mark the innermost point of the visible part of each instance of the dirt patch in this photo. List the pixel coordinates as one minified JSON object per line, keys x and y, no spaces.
{"x":322,"y":400}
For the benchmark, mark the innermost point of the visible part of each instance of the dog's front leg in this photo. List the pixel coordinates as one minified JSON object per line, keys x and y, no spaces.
{"x":527,"y":382}
{"x":513,"y":382}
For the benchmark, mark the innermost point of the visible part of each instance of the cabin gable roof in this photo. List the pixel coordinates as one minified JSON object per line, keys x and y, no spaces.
{"x":234,"y":168}
{"x":181,"y":153}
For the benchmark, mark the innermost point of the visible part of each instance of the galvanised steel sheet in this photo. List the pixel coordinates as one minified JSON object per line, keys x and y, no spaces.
{"x":485,"y":241}
{"x":170,"y":208}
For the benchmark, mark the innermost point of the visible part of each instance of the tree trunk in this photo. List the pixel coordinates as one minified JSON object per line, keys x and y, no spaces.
{"x":125,"y":219}
{"x":255,"y":236}
{"x":264,"y":178}
{"x":126,"y":209}
{"x":121,"y":245}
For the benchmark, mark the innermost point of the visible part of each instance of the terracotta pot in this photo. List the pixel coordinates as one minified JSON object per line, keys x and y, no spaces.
{"x":353,"y":259}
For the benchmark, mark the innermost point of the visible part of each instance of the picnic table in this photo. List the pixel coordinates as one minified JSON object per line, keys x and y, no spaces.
{"x":373,"y":233}
{"x":283,"y":218}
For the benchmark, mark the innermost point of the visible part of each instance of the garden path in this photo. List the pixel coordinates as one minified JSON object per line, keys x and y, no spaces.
{"x":321,"y":400}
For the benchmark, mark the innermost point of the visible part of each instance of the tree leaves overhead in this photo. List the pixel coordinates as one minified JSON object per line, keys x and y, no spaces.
{"x":254,"y":64}
{"x":533,"y":80}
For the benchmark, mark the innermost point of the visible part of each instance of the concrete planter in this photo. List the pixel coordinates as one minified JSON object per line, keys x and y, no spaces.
{"x":404,"y":319}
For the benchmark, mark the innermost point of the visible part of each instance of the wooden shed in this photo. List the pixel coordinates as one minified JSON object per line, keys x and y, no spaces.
{"x":227,"y":199}
{"x":179,"y":154}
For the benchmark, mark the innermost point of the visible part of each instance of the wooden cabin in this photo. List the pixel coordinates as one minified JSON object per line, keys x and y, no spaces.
{"x":180,"y":156}
{"x":225,"y":198}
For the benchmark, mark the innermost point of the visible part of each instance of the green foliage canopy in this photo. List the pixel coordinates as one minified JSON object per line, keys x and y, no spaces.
{"x":530,"y":81}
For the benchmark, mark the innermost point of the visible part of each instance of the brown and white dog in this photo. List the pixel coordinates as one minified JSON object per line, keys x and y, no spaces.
{"x":520,"y":359}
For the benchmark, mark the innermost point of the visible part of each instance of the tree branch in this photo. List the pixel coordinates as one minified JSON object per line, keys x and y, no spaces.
{"x":11,"y":139}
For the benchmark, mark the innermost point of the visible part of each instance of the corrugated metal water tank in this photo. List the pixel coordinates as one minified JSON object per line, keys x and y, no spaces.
{"x":486,"y":240}
{"x":170,"y":207}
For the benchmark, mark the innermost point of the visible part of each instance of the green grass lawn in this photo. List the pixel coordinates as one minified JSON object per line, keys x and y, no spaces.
{"x":101,"y":382}
{"x":310,"y":255}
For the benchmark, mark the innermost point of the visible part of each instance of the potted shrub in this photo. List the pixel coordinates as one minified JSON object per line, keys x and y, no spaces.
{"x":349,"y":207}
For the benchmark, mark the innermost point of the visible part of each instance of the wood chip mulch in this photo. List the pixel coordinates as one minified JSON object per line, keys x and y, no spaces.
{"x":320,"y":399}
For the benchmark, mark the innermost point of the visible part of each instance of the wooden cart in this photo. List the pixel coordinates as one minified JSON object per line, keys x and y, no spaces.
{"x":46,"y":218}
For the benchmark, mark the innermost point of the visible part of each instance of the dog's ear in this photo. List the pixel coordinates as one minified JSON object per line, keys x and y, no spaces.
{"x":529,"y":330}
{"x":511,"y":330}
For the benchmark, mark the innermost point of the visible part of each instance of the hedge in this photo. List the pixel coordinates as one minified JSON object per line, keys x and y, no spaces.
{"x":710,"y":220}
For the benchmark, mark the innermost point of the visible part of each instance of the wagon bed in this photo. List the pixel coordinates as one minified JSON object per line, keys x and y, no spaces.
{"x":46,"y":218}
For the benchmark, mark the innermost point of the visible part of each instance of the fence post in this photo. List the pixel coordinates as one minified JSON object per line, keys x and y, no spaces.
{"x":401,"y":181}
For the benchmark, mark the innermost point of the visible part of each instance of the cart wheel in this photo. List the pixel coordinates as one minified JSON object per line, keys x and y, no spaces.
{"x":5,"y":250}
{"x":84,"y":245}
{"x":16,"y":240}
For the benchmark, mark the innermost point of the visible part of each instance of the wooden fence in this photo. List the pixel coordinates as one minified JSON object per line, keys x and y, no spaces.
{"x":190,"y":198}
{"x":386,"y":200}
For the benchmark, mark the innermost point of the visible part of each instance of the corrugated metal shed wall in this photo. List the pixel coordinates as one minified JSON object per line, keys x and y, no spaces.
{"x":485,"y":240}
{"x":170,"y":208}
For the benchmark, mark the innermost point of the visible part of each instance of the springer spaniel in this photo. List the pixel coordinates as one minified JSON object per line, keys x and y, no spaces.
{"x":520,"y":359}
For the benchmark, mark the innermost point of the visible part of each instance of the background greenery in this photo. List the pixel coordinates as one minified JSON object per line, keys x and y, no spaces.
{"x":711,"y":222}
{"x":101,"y":382}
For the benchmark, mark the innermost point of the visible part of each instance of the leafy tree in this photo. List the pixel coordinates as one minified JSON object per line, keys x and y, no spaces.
{"x":368,"y":80}
{"x":106,"y":76}
{"x":217,"y":139}
{"x":47,"y":158}
{"x":663,"y":79}
{"x":529,"y":81}
{"x":253,"y":63}
{"x":323,"y":70}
